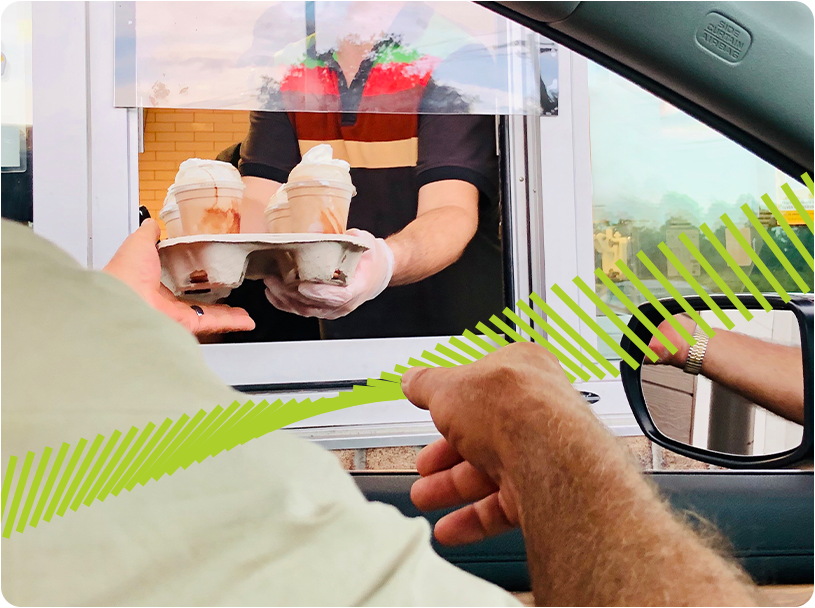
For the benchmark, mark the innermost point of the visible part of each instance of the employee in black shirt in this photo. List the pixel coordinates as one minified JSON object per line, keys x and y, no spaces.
{"x":427,"y":189}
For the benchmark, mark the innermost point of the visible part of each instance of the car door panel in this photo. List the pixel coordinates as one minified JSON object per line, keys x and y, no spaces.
{"x":766,"y":517}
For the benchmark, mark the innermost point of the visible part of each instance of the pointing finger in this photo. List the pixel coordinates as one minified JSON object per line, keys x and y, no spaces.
{"x":419,"y":384}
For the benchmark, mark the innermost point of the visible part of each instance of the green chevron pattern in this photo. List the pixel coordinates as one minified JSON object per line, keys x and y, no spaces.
{"x":138,"y":456}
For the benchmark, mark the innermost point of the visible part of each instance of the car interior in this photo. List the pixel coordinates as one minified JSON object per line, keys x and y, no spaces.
{"x":766,"y":106}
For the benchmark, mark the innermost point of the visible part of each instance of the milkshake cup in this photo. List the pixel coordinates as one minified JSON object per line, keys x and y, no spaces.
{"x":319,"y":206}
{"x":278,"y":217}
{"x":319,"y":192}
{"x":171,"y":217}
{"x":208,"y":194}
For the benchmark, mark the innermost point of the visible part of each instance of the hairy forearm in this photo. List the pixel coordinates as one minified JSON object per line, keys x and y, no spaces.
{"x":597,"y":534}
{"x":430,"y":243}
{"x":769,"y":375}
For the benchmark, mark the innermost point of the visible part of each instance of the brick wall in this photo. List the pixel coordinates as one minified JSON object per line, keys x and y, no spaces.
{"x":172,"y":136}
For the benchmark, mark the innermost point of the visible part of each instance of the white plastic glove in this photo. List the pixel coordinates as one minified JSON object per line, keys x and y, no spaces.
{"x":372,"y":276}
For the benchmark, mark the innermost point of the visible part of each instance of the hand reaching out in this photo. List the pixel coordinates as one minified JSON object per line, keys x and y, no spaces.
{"x":137,"y":264}
{"x":480,"y":410}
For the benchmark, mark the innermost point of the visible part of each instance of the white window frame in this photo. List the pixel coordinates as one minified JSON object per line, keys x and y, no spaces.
{"x":566,"y":225}
{"x":86,"y":201}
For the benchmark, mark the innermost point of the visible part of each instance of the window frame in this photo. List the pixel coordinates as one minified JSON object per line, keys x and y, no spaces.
{"x":87,"y":203}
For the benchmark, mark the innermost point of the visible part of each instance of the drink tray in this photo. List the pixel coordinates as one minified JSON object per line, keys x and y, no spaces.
{"x":207,"y":267}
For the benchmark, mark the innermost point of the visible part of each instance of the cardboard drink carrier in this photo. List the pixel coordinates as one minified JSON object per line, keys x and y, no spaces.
{"x":207,"y":267}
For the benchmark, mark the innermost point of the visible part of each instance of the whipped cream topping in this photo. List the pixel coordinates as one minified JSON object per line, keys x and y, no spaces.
{"x":319,"y":163}
{"x":203,"y":171}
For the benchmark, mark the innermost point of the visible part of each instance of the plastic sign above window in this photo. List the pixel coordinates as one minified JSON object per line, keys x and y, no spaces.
{"x":357,"y":57}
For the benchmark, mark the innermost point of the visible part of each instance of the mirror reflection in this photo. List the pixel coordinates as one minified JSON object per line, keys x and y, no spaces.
{"x":748,"y":395}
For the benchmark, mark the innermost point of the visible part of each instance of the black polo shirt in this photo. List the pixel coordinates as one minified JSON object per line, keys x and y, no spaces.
{"x":392,"y":155}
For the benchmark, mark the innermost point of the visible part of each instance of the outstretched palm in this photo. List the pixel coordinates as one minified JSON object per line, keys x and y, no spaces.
{"x":137,"y":264}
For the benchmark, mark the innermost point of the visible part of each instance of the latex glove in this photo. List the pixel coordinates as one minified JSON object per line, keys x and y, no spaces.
{"x":137,"y":264}
{"x":372,"y":276}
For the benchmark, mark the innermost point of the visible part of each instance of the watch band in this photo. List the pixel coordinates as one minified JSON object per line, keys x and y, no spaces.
{"x":696,"y":354}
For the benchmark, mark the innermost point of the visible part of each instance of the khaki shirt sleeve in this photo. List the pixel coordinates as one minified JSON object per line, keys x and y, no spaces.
{"x":275,"y":521}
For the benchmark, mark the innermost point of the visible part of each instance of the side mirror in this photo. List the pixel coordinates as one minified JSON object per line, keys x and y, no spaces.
{"x":750,"y":405}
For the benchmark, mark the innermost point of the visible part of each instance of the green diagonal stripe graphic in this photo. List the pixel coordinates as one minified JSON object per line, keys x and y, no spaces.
{"x":12,"y":464}
{"x":46,"y":491}
{"x":491,"y":334}
{"x":129,"y":479}
{"x":95,"y":470}
{"x":655,"y":303}
{"x":478,"y":341}
{"x":465,"y":348}
{"x":779,"y":217}
{"x":588,"y":320}
{"x":579,"y":372}
{"x":735,"y":267}
{"x":143,"y":474}
{"x":79,"y":475}
{"x":63,"y":481}
{"x":128,"y":458}
{"x":695,"y":285}
{"x":117,"y":456}
{"x":779,"y":255}
{"x":632,"y":308}
{"x":675,"y":294}
{"x":615,"y":319}
{"x":550,"y":331}
{"x":574,"y":335}
{"x":18,"y":495}
{"x":451,"y":354}
{"x":715,"y":276}
{"x":797,"y":204}
{"x":433,"y":358}
{"x":35,"y":485}
{"x":754,"y":257}
{"x":142,"y":456}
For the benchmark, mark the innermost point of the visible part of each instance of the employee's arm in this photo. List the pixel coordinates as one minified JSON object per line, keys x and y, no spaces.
{"x":521,"y":447}
{"x":768,"y":374}
{"x":446,"y":221}
{"x":447,"y":218}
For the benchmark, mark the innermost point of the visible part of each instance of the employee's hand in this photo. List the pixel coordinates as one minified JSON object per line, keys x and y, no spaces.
{"x":372,"y":276}
{"x":679,"y":358}
{"x":484,"y":410}
{"x":137,"y":264}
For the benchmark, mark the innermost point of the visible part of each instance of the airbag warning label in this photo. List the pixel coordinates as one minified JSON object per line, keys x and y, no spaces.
{"x":723,"y":37}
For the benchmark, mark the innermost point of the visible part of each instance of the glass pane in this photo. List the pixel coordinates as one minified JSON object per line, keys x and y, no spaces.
{"x":446,"y":300}
{"x":17,"y":201}
{"x":658,"y":173}
{"x":367,"y":57}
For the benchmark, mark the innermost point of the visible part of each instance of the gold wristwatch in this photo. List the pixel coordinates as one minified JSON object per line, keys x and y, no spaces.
{"x":693,"y":364}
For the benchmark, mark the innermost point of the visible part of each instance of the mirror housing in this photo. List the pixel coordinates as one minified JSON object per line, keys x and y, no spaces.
{"x":800,"y":306}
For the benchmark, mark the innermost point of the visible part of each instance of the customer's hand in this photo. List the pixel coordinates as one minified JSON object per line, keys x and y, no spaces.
{"x":372,"y":276}
{"x":522,"y":446}
{"x":137,"y":264}
{"x":679,"y":358}
{"x":484,"y":410}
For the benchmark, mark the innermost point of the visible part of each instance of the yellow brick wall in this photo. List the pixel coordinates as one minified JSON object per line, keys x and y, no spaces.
{"x":172,"y":136}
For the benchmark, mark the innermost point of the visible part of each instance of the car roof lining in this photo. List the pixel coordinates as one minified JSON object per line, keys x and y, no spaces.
{"x":747,"y":140}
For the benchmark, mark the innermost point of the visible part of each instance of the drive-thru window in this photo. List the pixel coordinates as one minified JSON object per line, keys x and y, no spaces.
{"x":146,"y":85}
